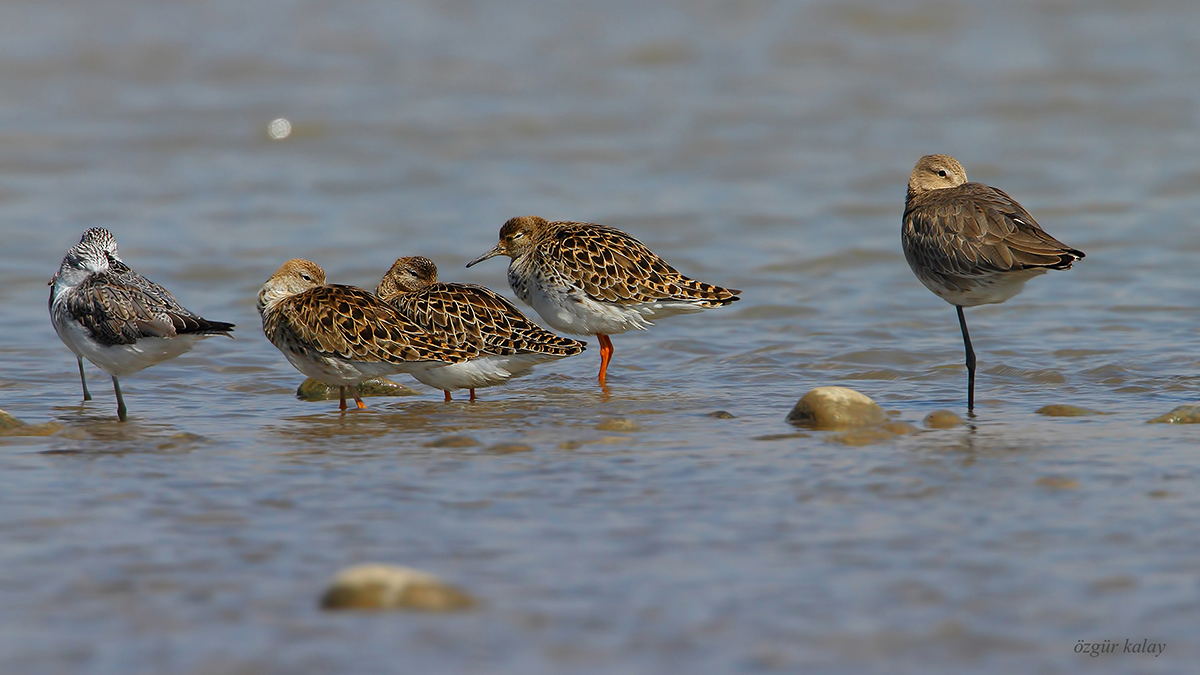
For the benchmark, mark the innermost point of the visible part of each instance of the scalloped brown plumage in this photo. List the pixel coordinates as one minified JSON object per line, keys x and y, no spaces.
{"x":473,"y":315}
{"x":589,"y":279}
{"x":343,"y":335}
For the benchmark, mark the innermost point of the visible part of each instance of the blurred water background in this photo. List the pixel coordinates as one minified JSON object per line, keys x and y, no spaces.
{"x":758,"y":145}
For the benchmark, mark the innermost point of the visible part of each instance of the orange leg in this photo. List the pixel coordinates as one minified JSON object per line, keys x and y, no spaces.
{"x":606,"y":352}
{"x":342,"y":393}
{"x":447,"y":393}
{"x":357,"y":398}
{"x":472,"y":395}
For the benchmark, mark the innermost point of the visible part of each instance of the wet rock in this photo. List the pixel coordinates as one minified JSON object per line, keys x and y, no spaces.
{"x":900,"y":428}
{"x":182,"y":440}
{"x":9,"y":422}
{"x":721,"y":415}
{"x":1184,"y":414}
{"x":1060,"y":410}
{"x":618,"y":424}
{"x":570,"y":445}
{"x":781,"y":437}
{"x":43,"y":429}
{"x":943,"y":419}
{"x":452,"y":442}
{"x":12,"y":426}
{"x":509,"y":448}
{"x":863,"y":437}
{"x":315,"y":390}
{"x":1057,"y":482}
{"x":836,"y":408}
{"x":389,"y":587}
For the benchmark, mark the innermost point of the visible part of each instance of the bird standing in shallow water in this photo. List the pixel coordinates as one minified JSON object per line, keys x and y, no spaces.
{"x":508,"y":342}
{"x":972,"y":244}
{"x":119,"y":320}
{"x":588,"y":279}
{"x":343,"y":335}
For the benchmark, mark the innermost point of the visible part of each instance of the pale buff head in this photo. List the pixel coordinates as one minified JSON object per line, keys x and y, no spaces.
{"x":296,"y":276}
{"x":407,"y":275}
{"x":936,"y":172}
{"x":516,"y":237}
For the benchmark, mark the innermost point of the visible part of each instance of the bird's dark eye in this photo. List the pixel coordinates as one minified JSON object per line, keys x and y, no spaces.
{"x":942,"y":173}
{"x":518,"y":235}
{"x":305,"y":276}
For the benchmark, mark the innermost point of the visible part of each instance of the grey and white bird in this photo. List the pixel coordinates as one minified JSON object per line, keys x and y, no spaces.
{"x":116,"y":318}
{"x":972,"y":244}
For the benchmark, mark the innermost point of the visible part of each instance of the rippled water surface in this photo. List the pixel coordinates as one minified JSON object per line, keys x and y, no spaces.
{"x":761,"y":146}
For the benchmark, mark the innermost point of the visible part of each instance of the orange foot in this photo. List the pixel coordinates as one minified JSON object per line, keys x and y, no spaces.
{"x":606,"y":352}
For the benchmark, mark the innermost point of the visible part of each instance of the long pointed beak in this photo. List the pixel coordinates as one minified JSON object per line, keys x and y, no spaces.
{"x":498,"y":249}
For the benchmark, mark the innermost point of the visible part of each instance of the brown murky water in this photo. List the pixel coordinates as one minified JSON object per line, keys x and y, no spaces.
{"x":763,"y":146}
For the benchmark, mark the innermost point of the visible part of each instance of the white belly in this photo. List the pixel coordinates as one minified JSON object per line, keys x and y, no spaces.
{"x":122,"y":360}
{"x":574,"y":313}
{"x":483,"y":371}
{"x":340,"y":372}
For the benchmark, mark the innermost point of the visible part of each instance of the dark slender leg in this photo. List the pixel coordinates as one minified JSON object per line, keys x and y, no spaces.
{"x":357,"y":399}
{"x":447,"y":393}
{"x":606,"y":352}
{"x":472,"y":395}
{"x":962,"y":321}
{"x":87,"y":395}
{"x":121,"y":412}
{"x":342,"y":395}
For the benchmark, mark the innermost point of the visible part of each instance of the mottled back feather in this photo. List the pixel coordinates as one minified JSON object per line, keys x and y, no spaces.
{"x":354,"y":324}
{"x":976,"y":230}
{"x":118,"y":312}
{"x":612,"y":266}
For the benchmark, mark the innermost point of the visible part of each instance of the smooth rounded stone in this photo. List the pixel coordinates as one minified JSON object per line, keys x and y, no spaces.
{"x":618,"y":424}
{"x":721,"y":415}
{"x":1062,"y":410}
{"x":315,"y":390}
{"x":43,"y":429}
{"x":1057,"y":482}
{"x":509,"y":448}
{"x":900,"y":428}
{"x":389,"y":587}
{"x":8,"y":421}
{"x":1184,"y":414}
{"x":570,"y":445}
{"x":863,"y":437}
{"x":452,"y":442}
{"x":943,"y":419}
{"x":836,"y":408}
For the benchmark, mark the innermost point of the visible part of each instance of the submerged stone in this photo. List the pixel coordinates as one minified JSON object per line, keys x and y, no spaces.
{"x":509,"y":448}
{"x":452,"y":442}
{"x":8,"y":421}
{"x":721,"y":415}
{"x":900,"y":428}
{"x":1062,"y":410}
{"x":863,"y":436}
{"x":781,"y":437}
{"x":618,"y":424}
{"x":943,"y":419}
{"x":1057,"y":482}
{"x":315,"y":390}
{"x":389,"y":587}
{"x":836,"y":408}
{"x":13,"y":426}
{"x":1184,"y":414}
